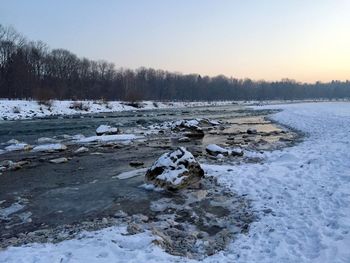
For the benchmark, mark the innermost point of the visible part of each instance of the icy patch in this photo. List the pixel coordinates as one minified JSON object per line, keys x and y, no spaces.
{"x":130,"y":174}
{"x":49,"y":147}
{"x":18,"y":147}
{"x":109,"y":138}
{"x":220,"y":152}
{"x":6,"y":212}
{"x":213,"y":148}
{"x":106,"y":129}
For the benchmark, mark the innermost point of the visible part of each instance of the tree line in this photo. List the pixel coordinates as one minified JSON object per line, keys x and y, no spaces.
{"x":30,"y":69}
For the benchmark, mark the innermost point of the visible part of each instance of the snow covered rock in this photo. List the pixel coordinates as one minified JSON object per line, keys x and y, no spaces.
{"x":214,"y":149}
{"x":18,"y":147}
{"x":184,"y":139}
{"x":50,"y":147}
{"x":10,"y":165}
{"x":81,"y":150}
{"x":175,"y":170}
{"x":217,"y":150}
{"x":190,"y":127}
{"x":214,"y":123}
{"x":106,"y":130}
{"x":13,"y":141}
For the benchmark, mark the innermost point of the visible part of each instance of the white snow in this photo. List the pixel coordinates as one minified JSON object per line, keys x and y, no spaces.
{"x":81,"y":150}
{"x":109,"y":138}
{"x":307,"y":188}
{"x":130,"y":174}
{"x":106,"y":129}
{"x":18,"y":147}
{"x":13,"y":141}
{"x":173,"y":165}
{"x":217,"y":149}
{"x":28,"y":109}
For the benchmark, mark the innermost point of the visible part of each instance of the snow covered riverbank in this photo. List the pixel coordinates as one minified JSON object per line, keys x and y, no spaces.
{"x":28,"y":109}
{"x":302,"y":195}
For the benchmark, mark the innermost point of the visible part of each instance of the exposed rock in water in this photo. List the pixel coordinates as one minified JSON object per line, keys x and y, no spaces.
{"x":175,"y":170}
{"x":190,"y":127}
{"x":18,"y":147}
{"x":106,"y":130}
{"x":10,"y":165}
{"x":184,"y":139}
{"x":195,"y":133}
{"x":81,"y":150}
{"x":214,"y":150}
{"x":136,"y":163}
{"x":252,"y":131}
{"x":59,"y":160}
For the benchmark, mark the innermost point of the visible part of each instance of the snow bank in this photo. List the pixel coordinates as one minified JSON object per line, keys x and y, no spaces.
{"x":301,"y":194}
{"x":24,"y":109}
{"x":107,"y":245}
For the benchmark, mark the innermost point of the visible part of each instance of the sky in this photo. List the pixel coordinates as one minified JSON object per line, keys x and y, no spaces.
{"x":305,"y":40}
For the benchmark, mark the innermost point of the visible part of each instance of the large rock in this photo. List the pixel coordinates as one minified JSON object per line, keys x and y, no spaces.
{"x":175,"y":170}
{"x":190,"y":128}
{"x":215,"y":150}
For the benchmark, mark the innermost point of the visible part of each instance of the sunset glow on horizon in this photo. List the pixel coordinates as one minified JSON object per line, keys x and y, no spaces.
{"x":263,"y":40}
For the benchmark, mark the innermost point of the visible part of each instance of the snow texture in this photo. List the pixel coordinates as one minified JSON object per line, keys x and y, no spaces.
{"x":28,"y":109}
{"x":17,"y":147}
{"x":301,"y":194}
{"x":213,"y":148}
{"x":173,"y":165}
{"x":49,"y":147}
{"x":109,"y":138}
{"x":106,"y":129}
{"x":132,"y":173}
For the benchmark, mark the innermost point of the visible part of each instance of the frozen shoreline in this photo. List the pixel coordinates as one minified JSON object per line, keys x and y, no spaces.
{"x":29,"y":109}
{"x":305,"y":188}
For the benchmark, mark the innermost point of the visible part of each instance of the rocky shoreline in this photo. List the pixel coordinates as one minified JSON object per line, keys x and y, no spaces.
{"x":196,"y":221}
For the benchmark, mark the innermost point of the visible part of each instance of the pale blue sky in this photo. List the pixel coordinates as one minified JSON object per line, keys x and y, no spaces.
{"x":306,"y":40}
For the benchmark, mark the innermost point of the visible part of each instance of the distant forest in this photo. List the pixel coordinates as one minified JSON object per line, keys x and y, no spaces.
{"x":31,"y":69}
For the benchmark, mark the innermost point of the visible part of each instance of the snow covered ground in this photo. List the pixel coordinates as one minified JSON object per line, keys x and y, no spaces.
{"x":27,"y":109}
{"x":304,"y":191}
